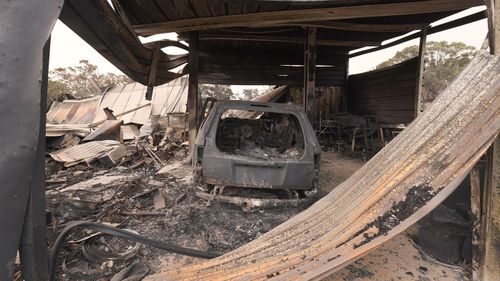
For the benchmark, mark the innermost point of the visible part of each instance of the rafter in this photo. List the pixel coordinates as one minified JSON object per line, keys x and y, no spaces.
{"x":350,"y":26}
{"x":284,"y":39}
{"x":165,"y":43}
{"x":434,"y":29}
{"x":306,"y":15}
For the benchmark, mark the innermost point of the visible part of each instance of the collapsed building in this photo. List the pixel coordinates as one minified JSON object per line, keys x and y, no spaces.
{"x":303,"y":45}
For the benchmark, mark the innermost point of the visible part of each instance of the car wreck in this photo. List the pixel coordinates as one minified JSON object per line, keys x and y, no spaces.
{"x":257,"y":145}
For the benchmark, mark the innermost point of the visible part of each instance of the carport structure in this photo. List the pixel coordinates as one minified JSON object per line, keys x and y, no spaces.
{"x":257,"y":42}
{"x":305,"y":44}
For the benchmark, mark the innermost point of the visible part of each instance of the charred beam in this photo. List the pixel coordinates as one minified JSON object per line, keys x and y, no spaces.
{"x":434,"y":29}
{"x":350,"y":26}
{"x":489,"y":250}
{"x":193,"y":88}
{"x":153,"y":69}
{"x":282,"y":39}
{"x":166,"y":43}
{"x":305,"y":15}
{"x":420,"y":71}
{"x":309,"y":96}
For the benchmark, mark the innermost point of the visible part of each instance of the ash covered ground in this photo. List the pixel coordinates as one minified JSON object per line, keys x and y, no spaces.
{"x":124,"y":197}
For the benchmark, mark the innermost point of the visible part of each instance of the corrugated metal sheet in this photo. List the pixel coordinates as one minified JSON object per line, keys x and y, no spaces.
{"x":73,"y":111}
{"x":83,"y":152}
{"x":171,"y":97}
{"x":388,"y":94}
{"x":432,"y":157}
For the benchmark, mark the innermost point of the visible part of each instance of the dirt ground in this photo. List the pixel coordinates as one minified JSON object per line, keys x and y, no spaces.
{"x":336,"y":168}
{"x":399,"y":259}
{"x":122,"y":196}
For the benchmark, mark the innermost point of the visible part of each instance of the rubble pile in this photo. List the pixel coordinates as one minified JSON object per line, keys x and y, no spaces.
{"x":144,"y":186}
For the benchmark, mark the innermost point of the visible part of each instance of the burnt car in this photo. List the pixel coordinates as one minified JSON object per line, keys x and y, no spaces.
{"x":257,"y":145}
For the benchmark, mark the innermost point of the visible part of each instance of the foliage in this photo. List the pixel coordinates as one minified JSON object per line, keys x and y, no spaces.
{"x":443,"y":62}
{"x":81,"y":81}
{"x":219,"y":92}
{"x":249,"y":94}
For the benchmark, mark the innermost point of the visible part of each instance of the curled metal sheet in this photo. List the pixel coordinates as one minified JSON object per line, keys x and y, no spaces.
{"x":397,"y":187}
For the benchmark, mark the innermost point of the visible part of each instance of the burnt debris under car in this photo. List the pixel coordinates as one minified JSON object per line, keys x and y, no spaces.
{"x":257,"y":145}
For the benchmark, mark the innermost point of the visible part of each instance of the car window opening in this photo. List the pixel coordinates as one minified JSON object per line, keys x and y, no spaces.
{"x":261,"y":135}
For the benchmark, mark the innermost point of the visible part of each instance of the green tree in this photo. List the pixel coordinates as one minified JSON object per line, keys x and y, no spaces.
{"x":443,"y":62}
{"x":81,"y":81}
{"x":219,"y":92}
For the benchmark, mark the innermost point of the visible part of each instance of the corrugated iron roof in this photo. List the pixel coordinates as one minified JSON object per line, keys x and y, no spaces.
{"x":83,"y":152}
{"x":73,"y":111}
{"x":168,"y":98}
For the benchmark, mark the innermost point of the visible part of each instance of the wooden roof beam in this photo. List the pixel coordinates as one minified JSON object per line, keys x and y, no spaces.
{"x":166,"y":43}
{"x":284,"y":39}
{"x":306,"y":15}
{"x":433,"y":29}
{"x":350,"y":26}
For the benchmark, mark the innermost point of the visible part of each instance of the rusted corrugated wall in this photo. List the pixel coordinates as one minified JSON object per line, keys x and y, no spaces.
{"x":388,"y":93}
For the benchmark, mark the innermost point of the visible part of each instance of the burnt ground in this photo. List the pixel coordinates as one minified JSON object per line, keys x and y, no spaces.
{"x":113,"y":196}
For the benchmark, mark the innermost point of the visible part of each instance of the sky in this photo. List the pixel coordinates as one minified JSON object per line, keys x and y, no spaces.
{"x":67,"y":49}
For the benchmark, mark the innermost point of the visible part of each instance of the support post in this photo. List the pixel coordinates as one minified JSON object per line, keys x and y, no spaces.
{"x":310,"y":73}
{"x":420,"y":71}
{"x":193,"y":97}
{"x":489,"y":249}
{"x":489,"y":245}
{"x":152,"y":71}
{"x":475,"y":206}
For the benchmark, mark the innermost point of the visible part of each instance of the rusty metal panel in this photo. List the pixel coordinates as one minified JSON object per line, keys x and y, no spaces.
{"x":401,"y":184}
{"x":73,"y":155}
{"x":388,"y":93}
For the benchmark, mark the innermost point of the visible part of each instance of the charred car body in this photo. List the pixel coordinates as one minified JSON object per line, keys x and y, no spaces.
{"x":257,"y":145}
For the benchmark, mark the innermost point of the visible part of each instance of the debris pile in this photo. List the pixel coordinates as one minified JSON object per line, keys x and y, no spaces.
{"x":144,"y":186}
{"x":357,"y":136}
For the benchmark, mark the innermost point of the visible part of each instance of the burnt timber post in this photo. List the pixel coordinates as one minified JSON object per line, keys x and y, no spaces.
{"x":192,"y":101}
{"x":488,"y":258}
{"x":489,"y":244}
{"x":309,"y":95}
{"x":153,"y":69}
{"x":420,"y":71}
